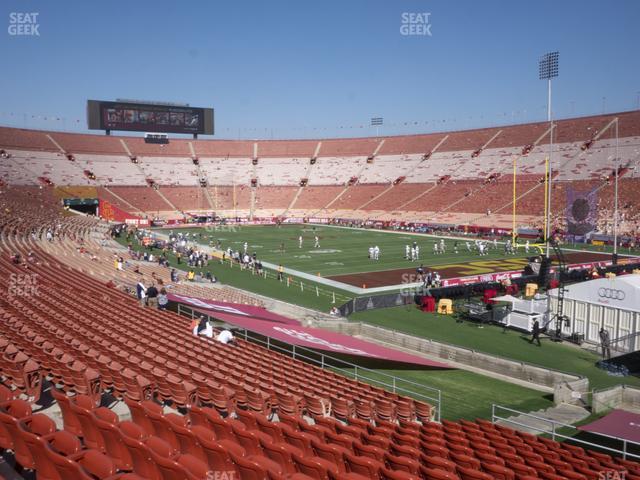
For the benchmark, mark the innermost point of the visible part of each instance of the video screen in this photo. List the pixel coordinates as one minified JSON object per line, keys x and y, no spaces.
{"x":153,"y":118}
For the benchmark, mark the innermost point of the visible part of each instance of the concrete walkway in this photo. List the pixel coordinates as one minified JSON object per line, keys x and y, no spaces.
{"x":543,"y":420}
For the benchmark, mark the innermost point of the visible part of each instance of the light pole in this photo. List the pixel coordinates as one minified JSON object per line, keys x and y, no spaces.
{"x":548,"y":69}
{"x":615,"y":201}
{"x":376,"y":122}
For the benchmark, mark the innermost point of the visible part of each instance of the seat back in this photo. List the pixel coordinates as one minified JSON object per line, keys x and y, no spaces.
{"x":69,"y":418}
{"x":217,"y":455}
{"x":138,"y":415}
{"x":311,"y":468}
{"x":187,"y":441}
{"x":10,"y":413}
{"x":142,"y":464}
{"x":104,"y":421}
{"x":65,"y":468}
{"x":247,"y":469}
{"x":32,"y":430}
{"x":367,"y":467}
{"x":90,"y":434}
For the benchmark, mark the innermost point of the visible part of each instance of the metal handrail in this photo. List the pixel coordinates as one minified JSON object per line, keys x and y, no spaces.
{"x":554,"y":434}
{"x":330,"y":362}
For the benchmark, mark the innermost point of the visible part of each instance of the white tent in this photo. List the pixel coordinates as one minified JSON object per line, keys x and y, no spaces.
{"x":612,"y":303}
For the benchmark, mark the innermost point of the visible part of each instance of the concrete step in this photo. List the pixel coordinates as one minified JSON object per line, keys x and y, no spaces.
{"x":542,"y":420}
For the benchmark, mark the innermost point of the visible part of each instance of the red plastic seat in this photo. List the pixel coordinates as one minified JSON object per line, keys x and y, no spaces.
{"x":472,"y":474}
{"x":34,"y":431}
{"x":403,"y":464}
{"x":161,"y":426}
{"x":172,"y":466}
{"x":334,"y":454}
{"x":69,"y":418}
{"x":106,"y":421}
{"x":386,"y":474}
{"x":86,"y":465}
{"x":498,"y":472}
{"x":364,"y":466}
{"x":10,"y":413}
{"x":437,"y":474}
{"x":249,"y":469}
{"x":90,"y":434}
{"x":438,"y":463}
{"x":316,"y":470}
{"x":133,"y":437}
{"x":138,"y":415}
{"x":198,"y":415}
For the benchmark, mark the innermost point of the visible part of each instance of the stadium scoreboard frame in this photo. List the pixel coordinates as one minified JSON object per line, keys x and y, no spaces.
{"x":149,"y":117}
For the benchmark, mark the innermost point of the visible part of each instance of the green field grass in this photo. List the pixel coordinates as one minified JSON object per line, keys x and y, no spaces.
{"x":469,"y":395}
{"x":493,"y":340}
{"x":342,"y":250}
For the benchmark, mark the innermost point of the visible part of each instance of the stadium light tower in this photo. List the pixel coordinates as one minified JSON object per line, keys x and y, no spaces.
{"x":377,"y":122}
{"x":616,"y":218}
{"x":548,"y":69}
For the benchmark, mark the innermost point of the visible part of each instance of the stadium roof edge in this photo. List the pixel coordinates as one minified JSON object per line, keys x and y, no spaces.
{"x":322,"y":139}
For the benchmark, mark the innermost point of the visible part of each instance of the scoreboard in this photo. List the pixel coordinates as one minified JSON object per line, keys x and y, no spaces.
{"x":149,"y":117}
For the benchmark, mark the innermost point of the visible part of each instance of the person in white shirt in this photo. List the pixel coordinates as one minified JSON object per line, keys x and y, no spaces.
{"x":317,"y":244}
{"x":371,"y":253}
{"x":300,"y":241}
{"x":417,"y":250}
{"x":225,"y":336}
{"x":203,"y":327}
{"x":406,"y":252}
{"x":376,"y":253}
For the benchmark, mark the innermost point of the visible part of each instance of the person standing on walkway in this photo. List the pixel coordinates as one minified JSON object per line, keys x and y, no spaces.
{"x":605,"y":341}
{"x":535,"y":333}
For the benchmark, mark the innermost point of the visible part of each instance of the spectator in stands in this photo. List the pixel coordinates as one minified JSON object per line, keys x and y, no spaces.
{"x":202,"y":327}
{"x":174,"y":275}
{"x":191,"y":275}
{"x":152,"y":296}
{"x":141,"y":292}
{"x":226,"y":337}
{"x":163,"y":301}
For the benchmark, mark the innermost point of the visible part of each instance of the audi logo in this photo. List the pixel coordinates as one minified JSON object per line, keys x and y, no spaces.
{"x":611,"y":293}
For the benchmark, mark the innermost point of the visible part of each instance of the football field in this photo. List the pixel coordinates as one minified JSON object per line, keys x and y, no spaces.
{"x":343,"y":253}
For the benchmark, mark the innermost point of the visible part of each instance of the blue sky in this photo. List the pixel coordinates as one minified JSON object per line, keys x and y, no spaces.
{"x":295,"y":69}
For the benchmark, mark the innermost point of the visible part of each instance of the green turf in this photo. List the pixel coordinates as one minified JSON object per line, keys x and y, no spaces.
{"x":342,"y":250}
{"x":493,"y":340}
{"x":270,"y":287}
{"x":469,"y":395}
